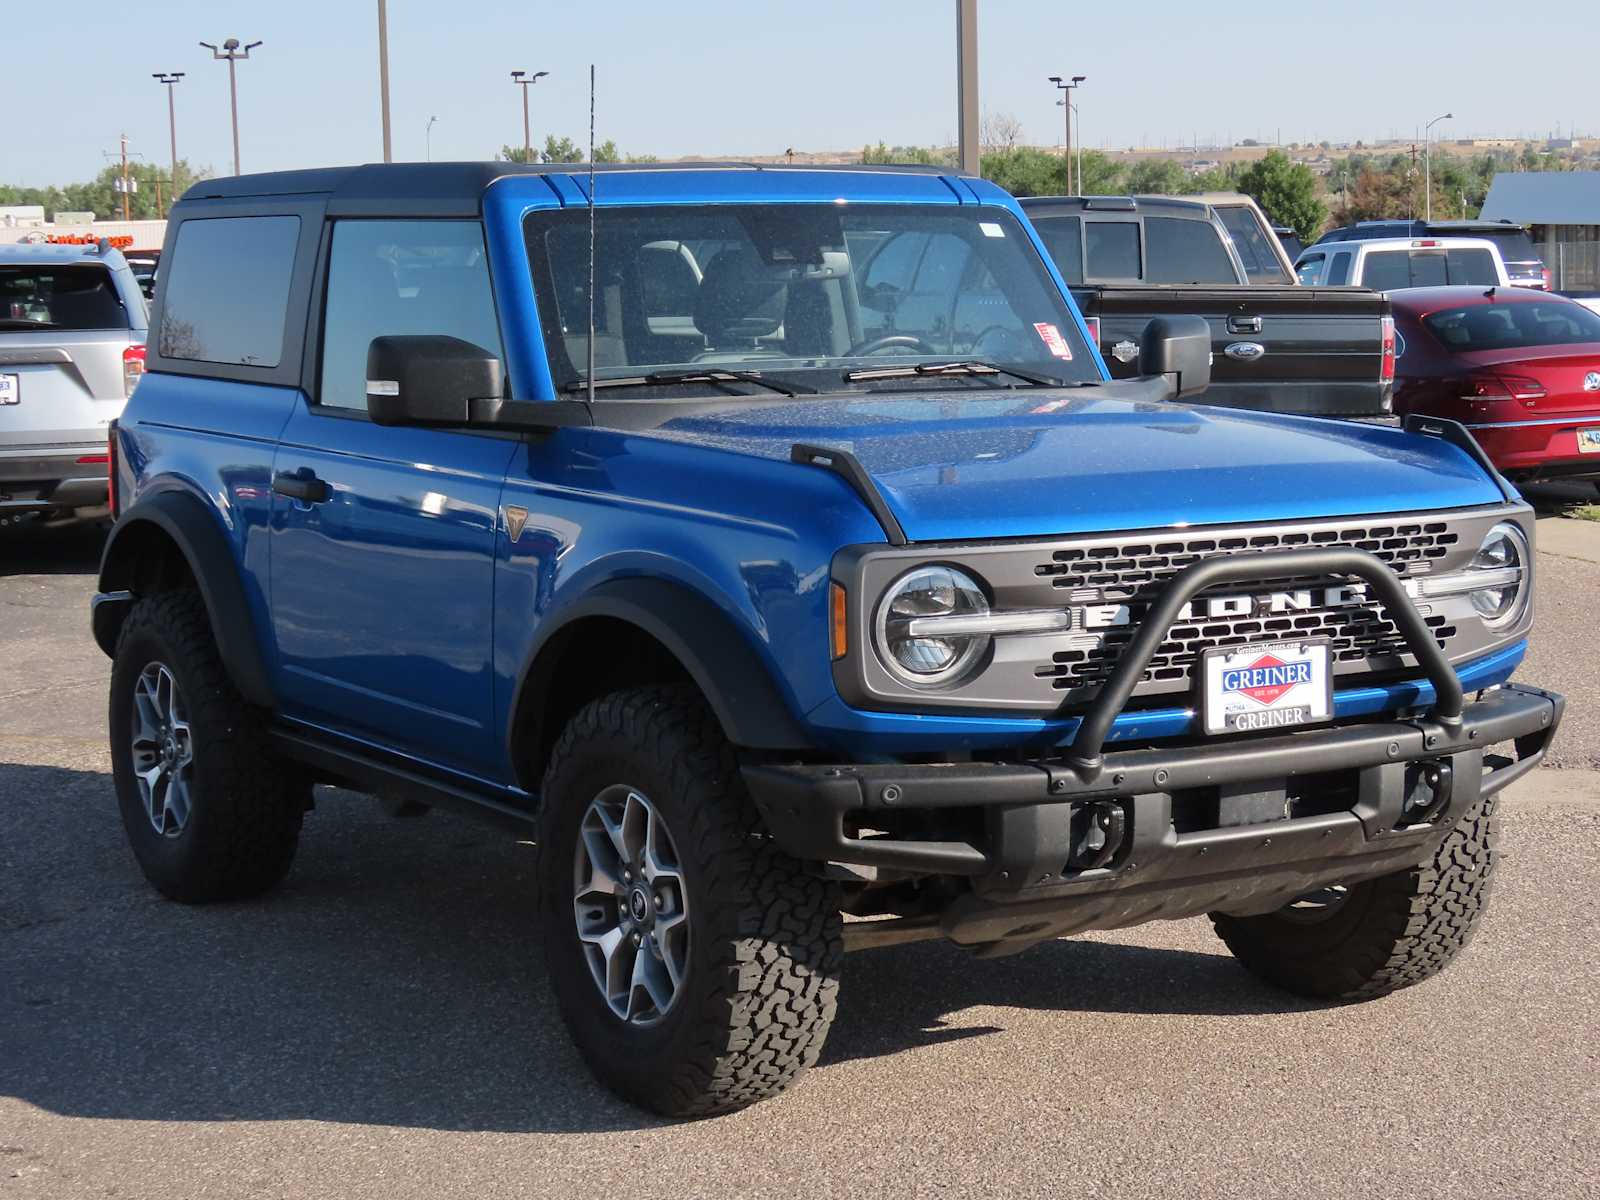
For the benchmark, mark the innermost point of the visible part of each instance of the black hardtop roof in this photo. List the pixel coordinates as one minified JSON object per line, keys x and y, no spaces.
{"x":466,"y":181}
{"x":1176,"y":206}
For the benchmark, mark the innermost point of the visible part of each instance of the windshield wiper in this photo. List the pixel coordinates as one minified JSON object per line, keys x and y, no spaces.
{"x":862,"y":374}
{"x":677,"y":378}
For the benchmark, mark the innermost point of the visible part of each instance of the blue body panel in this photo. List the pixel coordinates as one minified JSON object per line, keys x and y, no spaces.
{"x":422,"y":644}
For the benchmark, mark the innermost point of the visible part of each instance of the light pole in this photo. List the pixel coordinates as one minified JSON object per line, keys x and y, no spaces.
{"x":1068,"y":87}
{"x":232,"y":52}
{"x":1427,"y":165}
{"x":1078,"y":163}
{"x":431,"y":121}
{"x":526,"y":80}
{"x":169,"y":78}
{"x":383,"y":76}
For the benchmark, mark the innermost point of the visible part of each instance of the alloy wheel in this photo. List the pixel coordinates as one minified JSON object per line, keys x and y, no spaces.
{"x":163,"y":750}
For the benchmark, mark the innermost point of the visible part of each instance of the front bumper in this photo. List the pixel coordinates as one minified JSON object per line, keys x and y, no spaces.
{"x":1245,"y":855}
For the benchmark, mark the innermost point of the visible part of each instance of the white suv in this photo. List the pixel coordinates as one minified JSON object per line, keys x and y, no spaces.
{"x":1390,"y":264}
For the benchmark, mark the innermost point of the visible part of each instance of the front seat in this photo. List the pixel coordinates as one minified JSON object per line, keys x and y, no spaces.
{"x":740,"y":300}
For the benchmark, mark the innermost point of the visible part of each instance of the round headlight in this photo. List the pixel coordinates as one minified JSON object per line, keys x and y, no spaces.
{"x":910,"y":640}
{"x":1503,"y":560}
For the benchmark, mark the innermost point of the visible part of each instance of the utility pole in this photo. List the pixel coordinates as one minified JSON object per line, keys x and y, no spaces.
{"x":232,"y":53}
{"x":169,"y":78}
{"x":527,"y":81}
{"x":1066,"y":89}
{"x":429,"y":134}
{"x":383,"y":74}
{"x":124,"y":177}
{"x":970,"y":151}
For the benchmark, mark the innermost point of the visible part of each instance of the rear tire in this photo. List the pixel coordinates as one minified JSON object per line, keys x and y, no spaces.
{"x":211,"y":813}
{"x":1388,"y":933}
{"x":755,"y":942}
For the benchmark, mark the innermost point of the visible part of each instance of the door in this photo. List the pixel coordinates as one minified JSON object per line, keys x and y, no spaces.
{"x":382,"y":547}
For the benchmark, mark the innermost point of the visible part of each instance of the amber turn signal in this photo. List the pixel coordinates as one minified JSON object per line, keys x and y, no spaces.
{"x":839,"y":631}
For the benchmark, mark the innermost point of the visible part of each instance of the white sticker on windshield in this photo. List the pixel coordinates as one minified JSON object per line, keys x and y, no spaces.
{"x":1051,"y":337}
{"x":991,"y":229}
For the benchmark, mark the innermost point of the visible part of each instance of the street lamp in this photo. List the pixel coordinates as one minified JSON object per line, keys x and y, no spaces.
{"x":233,"y":52}
{"x":1067,"y":87}
{"x":431,"y":122}
{"x":1078,"y":162}
{"x":1427,"y":165}
{"x":526,"y":80}
{"x":169,"y":78}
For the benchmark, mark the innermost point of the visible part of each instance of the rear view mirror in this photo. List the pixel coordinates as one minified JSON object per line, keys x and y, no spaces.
{"x":1178,"y":348}
{"x":427,"y":379}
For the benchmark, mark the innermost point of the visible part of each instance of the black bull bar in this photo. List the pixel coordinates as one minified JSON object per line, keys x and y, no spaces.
{"x":1026,"y":847}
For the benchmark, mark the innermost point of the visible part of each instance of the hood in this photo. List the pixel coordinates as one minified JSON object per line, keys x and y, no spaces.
{"x":957,"y":466}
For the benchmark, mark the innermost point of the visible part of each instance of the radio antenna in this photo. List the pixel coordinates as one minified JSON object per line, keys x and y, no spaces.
{"x":590,"y":373}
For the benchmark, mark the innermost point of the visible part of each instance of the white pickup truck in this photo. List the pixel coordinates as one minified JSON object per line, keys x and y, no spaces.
{"x":1389,"y":264}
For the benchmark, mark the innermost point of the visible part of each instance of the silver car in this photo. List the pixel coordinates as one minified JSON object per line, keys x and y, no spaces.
{"x":72,"y":336}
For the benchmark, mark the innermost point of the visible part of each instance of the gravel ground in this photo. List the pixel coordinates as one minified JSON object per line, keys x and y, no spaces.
{"x":381,"y":1027}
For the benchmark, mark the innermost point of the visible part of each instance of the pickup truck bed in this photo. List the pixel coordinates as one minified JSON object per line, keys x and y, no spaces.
{"x":1320,"y":348}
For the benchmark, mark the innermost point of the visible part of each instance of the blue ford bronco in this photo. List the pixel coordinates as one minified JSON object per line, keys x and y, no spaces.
{"x":771,"y":547}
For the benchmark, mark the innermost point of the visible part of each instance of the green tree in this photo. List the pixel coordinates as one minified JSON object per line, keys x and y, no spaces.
{"x":150,"y":196}
{"x":562,"y":150}
{"x":1095,"y":174}
{"x":1025,"y":171}
{"x":1217,"y":179}
{"x":1287,"y":191}
{"x":607,"y":152}
{"x":1157,"y":177}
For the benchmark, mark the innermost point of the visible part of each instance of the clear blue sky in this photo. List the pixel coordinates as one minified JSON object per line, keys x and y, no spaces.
{"x":728,"y":77}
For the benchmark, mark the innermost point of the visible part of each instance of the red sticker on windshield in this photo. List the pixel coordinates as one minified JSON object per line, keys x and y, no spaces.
{"x":1051,"y":337}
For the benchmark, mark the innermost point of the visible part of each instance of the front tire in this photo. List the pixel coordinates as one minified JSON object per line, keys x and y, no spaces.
{"x":1380,"y":935}
{"x":696,"y":964}
{"x":211,"y":813}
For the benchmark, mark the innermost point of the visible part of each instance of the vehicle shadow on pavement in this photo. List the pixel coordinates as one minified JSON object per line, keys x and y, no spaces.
{"x":52,"y":548}
{"x":395,"y":979}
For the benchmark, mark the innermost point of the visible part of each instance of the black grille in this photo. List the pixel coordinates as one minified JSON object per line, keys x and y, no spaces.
{"x":1134,"y":571}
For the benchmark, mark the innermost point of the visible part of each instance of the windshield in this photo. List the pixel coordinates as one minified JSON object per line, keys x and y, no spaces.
{"x":1513,"y":326}
{"x":798,"y":293}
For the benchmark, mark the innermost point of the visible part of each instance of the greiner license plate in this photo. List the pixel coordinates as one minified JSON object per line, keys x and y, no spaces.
{"x":10,"y":389}
{"x":1270,"y":685}
{"x":1589,"y":441}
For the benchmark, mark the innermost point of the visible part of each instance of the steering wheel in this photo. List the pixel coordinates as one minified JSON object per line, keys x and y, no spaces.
{"x":862,"y":349}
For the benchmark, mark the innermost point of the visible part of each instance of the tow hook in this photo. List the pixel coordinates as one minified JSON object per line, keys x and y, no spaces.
{"x":1098,"y":830}
{"x":1428,"y":789}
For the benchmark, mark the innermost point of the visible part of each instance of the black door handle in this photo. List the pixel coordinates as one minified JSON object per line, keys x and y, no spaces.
{"x":302,"y":485}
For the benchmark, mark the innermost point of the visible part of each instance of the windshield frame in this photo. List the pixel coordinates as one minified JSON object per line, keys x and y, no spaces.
{"x":822,"y":372}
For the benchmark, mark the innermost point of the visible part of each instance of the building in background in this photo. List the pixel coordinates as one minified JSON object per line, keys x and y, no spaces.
{"x":1562,"y":208}
{"x":26,"y":223}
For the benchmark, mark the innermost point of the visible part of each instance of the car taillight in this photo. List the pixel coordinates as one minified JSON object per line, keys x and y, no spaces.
{"x":111,"y":470}
{"x":1489,"y":385}
{"x":1093,"y":324}
{"x":1386,"y":366}
{"x":1549,"y":278}
{"x":132,"y":368}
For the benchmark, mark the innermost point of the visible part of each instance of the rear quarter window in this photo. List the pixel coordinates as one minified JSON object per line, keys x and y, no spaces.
{"x":227,"y":290}
{"x":1250,"y":240}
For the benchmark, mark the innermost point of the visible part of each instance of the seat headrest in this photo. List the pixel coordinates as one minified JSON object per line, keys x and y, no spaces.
{"x":740,"y":298}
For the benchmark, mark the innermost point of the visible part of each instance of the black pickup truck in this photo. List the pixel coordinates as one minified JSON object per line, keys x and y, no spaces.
{"x":1279,"y":347}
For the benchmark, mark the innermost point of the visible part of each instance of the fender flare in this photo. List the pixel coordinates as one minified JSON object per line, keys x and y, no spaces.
{"x":717,"y":656}
{"x":199,"y":536}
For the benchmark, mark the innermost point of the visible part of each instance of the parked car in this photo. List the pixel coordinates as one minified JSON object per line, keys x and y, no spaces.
{"x":1289,"y":240}
{"x":1524,"y":267}
{"x":1259,"y":248}
{"x":1392,"y":264}
{"x":1277,"y":347}
{"x":1521,"y":369}
{"x":72,"y":344}
{"x":851,"y":596}
{"x":145,"y":264}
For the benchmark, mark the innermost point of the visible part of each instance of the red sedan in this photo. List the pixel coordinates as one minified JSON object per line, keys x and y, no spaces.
{"x":1519,"y":368}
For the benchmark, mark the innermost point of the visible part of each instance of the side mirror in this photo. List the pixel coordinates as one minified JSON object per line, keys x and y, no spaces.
{"x":1180,"y":349}
{"x":427,"y":379}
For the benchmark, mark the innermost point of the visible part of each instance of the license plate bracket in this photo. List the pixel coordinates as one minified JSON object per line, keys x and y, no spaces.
{"x":1266,"y":685}
{"x":10,"y":389}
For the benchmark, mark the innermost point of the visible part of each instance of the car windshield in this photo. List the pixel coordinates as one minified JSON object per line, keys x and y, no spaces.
{"x":802,"y":294}
{"x":59,"y":297}
{"x":1513,"y":326}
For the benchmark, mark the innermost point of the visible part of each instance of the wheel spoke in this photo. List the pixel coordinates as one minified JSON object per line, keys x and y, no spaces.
{"x":649,"y":974}
{"x":637,"y":816}
{"x":177,"y":798}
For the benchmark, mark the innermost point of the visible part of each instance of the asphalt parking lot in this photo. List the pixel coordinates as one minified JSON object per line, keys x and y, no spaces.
{"x":381,"y":1026}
